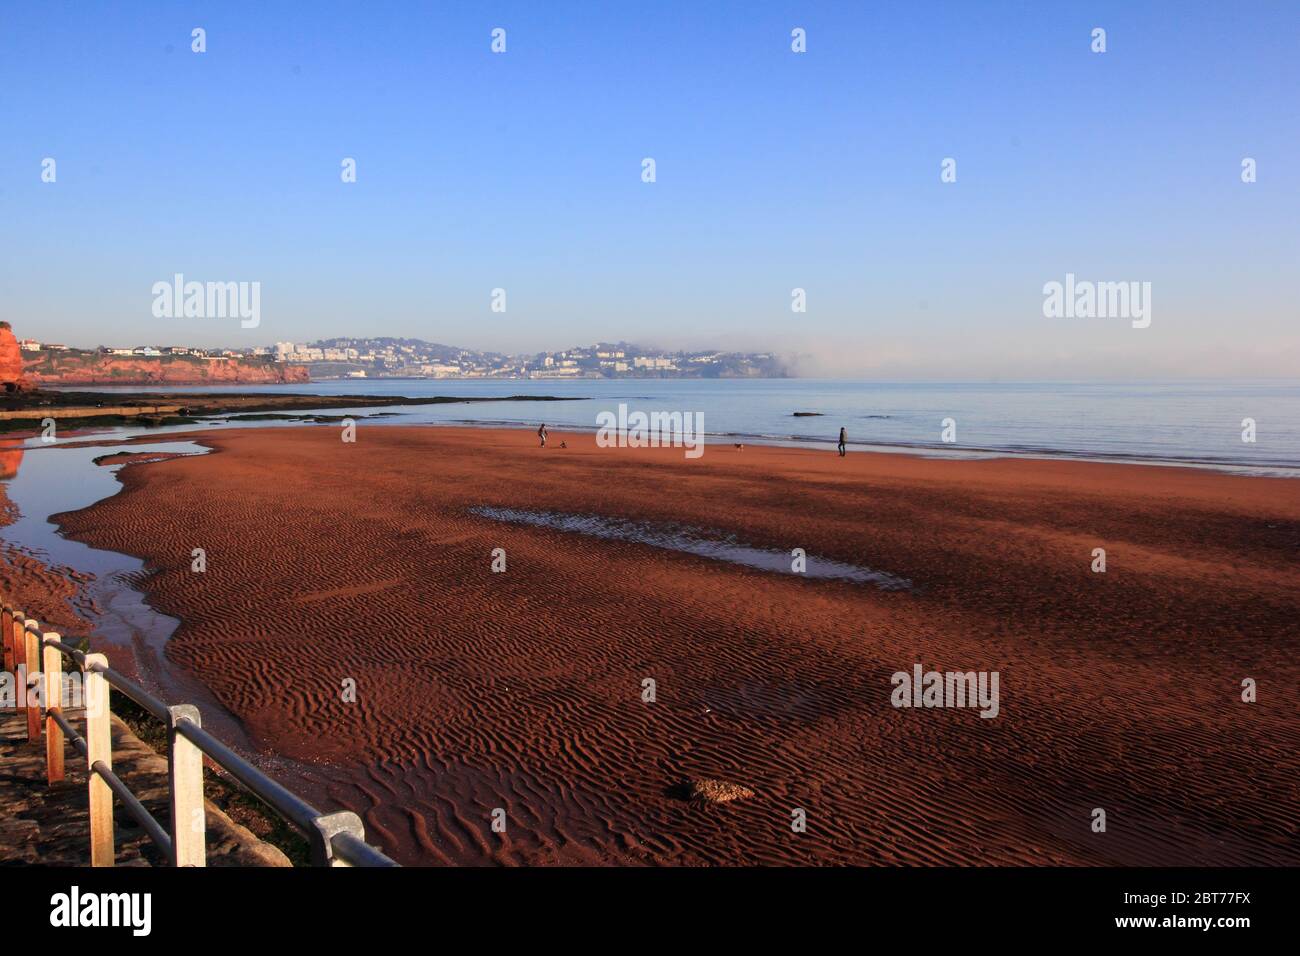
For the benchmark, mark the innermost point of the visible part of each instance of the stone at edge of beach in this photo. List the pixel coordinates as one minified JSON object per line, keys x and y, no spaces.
{"x":718,"y":791}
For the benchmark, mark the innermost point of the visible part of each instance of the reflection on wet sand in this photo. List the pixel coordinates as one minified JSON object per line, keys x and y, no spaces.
{"x":11,"y":457}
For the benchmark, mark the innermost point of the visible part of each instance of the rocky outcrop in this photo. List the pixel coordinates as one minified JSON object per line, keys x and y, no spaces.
{"x":94,"y":368}
{"x":11,"y":362}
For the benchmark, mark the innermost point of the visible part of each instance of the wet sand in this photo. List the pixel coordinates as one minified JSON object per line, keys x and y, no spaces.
{"x":523,"y":690}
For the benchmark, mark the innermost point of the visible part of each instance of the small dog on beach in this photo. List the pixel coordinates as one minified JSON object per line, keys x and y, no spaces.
{"x":564,"y":444}
{"x":739,"y":447}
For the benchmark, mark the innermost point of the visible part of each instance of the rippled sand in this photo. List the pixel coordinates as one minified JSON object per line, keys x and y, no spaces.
{"x":523,"y":690}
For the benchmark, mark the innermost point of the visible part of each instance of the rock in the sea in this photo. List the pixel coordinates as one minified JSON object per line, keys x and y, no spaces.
{"x":718,"y":791}
{"x":11,"y":362}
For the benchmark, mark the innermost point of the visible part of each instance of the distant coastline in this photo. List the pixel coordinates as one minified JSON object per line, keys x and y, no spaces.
{"x":378,"y":358}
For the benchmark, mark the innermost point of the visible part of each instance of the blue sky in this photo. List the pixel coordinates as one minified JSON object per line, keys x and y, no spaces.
{"x":775,"y":170}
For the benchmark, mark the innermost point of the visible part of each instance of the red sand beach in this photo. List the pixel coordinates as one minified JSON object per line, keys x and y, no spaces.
{"x":522,"y":690}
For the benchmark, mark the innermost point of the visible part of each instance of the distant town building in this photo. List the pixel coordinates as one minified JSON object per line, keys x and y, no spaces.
{"x":440,"y":370}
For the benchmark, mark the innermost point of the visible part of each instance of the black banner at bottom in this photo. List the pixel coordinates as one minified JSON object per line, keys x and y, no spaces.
{"x":141,"y":907}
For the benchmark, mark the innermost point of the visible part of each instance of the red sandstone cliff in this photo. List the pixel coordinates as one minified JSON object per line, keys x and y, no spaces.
{"x":11,"y":362}
{"x":92,"y":368}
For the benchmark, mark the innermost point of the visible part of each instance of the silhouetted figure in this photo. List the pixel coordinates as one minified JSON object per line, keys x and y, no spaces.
{"x":541,"y":433}
{"x":844,"y":440}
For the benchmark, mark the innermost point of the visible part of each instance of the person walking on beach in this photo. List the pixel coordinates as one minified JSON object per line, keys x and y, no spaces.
{"x":844,"y":439}
{"x":541,"y":433}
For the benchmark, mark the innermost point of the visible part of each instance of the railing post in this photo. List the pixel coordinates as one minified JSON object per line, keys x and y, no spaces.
{"x":53,"y":705}
{"x":185,"y":761}
{"x":327,"y":825}
{"x":6,"y":628}
{"x":99,"y":749}
{"x":18,"y":650}
{"x":31,"y":637}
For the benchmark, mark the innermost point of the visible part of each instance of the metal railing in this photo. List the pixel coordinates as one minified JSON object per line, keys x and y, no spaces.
{"x":337,"y":839}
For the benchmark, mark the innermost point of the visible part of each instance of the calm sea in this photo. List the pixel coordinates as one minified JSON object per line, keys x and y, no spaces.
{"x":1185,"y":422}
